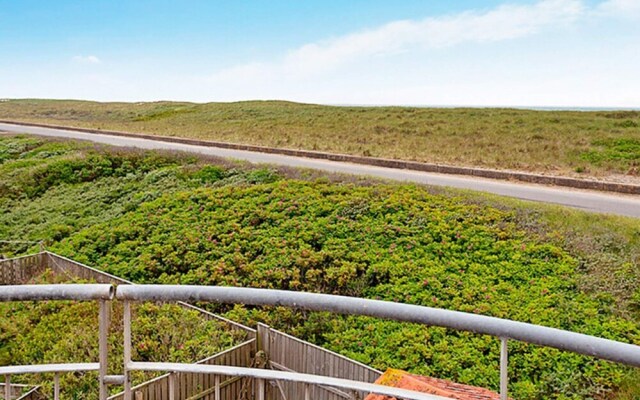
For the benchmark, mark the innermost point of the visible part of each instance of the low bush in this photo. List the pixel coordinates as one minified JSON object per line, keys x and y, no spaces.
{"x":182,"y":222}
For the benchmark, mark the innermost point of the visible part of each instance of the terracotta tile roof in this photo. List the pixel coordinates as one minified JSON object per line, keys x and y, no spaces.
{"x":435,"y":386}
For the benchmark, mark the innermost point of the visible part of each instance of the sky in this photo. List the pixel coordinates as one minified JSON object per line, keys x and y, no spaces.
{"x":544,"y":53}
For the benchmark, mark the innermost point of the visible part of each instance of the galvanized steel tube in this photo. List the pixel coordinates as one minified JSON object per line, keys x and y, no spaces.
{"x":575,"y":342}
{"x":504,"y":365}
{"x":48,"y":368}
{"x":56,"y":292}
{"x":126,"y":322}
{"x":103,"y":336}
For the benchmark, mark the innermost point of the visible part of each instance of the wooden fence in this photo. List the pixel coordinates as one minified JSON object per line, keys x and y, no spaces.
{"x":17,"y":271}
{"x":288,"y":353}
{"x":202,"y":386}
{"x":65,"y":267}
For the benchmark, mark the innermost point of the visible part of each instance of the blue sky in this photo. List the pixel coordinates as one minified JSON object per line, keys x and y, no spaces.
{"x":580,"y":53}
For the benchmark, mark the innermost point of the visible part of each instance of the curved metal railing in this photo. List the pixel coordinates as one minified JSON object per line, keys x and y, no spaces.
{"x":624,"y":353}
{"x":550,"y":337}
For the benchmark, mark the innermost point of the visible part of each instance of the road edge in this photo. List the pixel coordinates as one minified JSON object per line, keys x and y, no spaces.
{"x":373,"y":161}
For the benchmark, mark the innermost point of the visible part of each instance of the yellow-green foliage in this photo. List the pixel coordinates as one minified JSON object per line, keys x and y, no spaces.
{"x":256,"y":227}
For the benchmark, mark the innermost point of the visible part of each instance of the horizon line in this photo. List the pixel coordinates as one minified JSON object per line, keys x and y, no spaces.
{"x":373,"y":105}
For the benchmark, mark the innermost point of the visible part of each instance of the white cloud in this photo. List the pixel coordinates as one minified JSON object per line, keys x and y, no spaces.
{"x":527,"y":52}
{"x":619,"y":8}
{"x":502,"y":23}
{"x":90,"y":59}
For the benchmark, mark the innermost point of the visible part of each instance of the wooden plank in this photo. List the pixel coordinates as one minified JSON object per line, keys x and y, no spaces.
{"x":181,"y":386}
{"x":156,"y":390}
{"x":188,"y":385}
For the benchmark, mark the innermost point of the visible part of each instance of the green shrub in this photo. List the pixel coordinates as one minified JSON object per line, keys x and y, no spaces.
{"x":625,"y":150}
{"x":139,"y":216}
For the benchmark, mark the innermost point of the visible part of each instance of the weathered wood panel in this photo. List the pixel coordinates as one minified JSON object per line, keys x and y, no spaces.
{"x":72,"y":269}
{"x":288,"y":353}
{"x":201,"y":386}
{"x":16,"y":271}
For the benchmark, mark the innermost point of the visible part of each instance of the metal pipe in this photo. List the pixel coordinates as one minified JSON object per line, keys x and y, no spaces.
{"x":48,"y":368}
{"x":575,"y":342}
{"x":126,"y":321}
{"x":114,"y":379}
{"x":260,"y":384}
{"x":307,"y":392}
{"x":504,"y":363}
{"x":7,"y":387}
{"x":103,"y":347}
{"x":56,"y":386}
{"x":57,"y":292}
{"x":216,"y":380}
{"x":261,"y":375}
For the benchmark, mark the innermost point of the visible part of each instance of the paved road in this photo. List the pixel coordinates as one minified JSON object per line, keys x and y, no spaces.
{"x":593,"y":201}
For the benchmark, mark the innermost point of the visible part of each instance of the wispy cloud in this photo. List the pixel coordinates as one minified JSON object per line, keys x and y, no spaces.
{"x":619,"y":8}
{"x":90,"y":59}
{"x":502,"y":23}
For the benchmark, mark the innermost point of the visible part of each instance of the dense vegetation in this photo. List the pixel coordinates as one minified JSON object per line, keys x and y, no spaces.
{"x":153,"y":217}
{"x":602,"y":144}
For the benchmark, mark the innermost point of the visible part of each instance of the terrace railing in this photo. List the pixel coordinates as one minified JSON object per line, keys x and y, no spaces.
{"x":103,"y":293}
{"x":21,"y":270}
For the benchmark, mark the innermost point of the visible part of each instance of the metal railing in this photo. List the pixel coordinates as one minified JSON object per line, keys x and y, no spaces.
{"x":87,"y":292}
{"x":504,"y":329}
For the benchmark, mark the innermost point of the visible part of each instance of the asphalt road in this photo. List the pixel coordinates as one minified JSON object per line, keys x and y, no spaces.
{"x":593,"y":201}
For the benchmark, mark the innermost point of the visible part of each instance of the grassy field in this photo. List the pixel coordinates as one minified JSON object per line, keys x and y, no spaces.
{"x":603,"y":145}
{"x":175,"y":218}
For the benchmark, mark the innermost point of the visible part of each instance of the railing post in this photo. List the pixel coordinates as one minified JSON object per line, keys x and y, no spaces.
{"x":7,"y":387}
{"x":103,"y":347}
{"x":126,"y":321}
{"x":504,"y":363}
{"x":56,"y":386}
{"x":307,"y":392}
{"x":172,"y":386}
{"x":260,"y":388}
{"x":216,"y":392}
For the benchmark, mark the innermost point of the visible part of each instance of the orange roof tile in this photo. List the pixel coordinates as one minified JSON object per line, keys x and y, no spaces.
{"x":440,"y":387}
